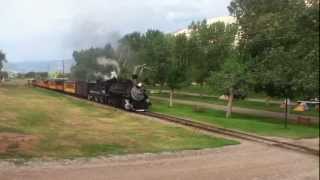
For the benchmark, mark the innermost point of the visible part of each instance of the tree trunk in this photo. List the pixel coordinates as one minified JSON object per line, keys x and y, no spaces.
{"x":201,"y":88}
{"x":161,"y":87}
{"x":268,"y":99}
{"x":286,"y":114}
{"x":289,"y":107}
{"x":171,"y":98}
{"x":230,"y":100}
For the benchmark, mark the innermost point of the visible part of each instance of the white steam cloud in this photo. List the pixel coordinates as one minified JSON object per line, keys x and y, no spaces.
{"x":109,"y":63}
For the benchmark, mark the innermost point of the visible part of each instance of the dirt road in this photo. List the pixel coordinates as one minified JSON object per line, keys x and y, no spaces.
{"x":239,"y":110}
{"x":207,"y":95}
{"x":242,"y":162}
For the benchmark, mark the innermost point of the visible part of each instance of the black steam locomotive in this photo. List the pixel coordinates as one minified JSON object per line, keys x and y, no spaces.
{"x":122,"y":93}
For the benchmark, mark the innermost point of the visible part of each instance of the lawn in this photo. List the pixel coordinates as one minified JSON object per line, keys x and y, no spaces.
{"x":257,"y":125}
{"x":238,"y":103}
{"x":37,"y":123}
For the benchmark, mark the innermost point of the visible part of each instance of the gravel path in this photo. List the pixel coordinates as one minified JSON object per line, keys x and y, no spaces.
{"x":239,"y":110}
{"x":207,"y":95}
{"x":242,"y":162}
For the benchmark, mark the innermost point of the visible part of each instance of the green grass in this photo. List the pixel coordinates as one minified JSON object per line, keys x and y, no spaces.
{"x":257,"y":125}
{"x":67,"y":127}
{"x":238,"y":103}
{"x":102,"y":149}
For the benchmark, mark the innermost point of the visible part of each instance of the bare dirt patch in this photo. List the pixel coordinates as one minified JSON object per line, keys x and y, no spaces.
{"x":13,"y":142}
{"x":241,"y":162}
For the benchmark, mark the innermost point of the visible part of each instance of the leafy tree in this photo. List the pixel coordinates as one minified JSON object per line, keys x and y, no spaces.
{"x":150,"y":48}
{"x":87,"y":67}
{"x":4,"y":75}
{"x":209,"y":45}
{"x":178,"y":74}
{"x":280,"y":43}
{"x":231,"y":78}
{"x":156,"y":54}
{"x":128,"y":53}
{"x":30,"y":75}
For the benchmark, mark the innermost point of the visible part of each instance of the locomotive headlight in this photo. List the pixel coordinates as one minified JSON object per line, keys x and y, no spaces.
{"x":147,"y":100}
{"x":139,"y":84}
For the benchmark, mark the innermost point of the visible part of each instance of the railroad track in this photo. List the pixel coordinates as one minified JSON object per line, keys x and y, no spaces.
{"x":233,"y":133}
{"x":223,"y":131}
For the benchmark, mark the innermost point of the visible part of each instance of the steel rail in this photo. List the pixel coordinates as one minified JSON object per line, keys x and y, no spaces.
{"x":233,"y":133}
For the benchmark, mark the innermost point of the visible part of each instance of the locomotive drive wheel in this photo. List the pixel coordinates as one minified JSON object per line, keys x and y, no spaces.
{"x":101,"y":100}
{"x":125,"y":104}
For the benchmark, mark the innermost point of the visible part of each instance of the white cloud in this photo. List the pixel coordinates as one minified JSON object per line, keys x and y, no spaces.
{"x":51,"y":29}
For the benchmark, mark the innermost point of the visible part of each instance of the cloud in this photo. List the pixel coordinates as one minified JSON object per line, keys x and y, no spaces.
{"x":47,"y":29}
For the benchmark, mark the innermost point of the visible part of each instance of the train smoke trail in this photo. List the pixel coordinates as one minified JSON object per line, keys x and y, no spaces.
{"x":109,"y":63}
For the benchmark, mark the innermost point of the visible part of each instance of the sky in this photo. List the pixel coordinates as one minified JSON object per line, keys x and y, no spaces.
{"x":44,"y":30}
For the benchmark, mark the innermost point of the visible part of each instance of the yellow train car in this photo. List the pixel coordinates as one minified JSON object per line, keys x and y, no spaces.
{"x":56,"y":84}
{"x":52,"y":84}
{"x":45,"y":83}
{"x":41,"y":83}
{"x":59,"y":84}
{"x":70,"y":87}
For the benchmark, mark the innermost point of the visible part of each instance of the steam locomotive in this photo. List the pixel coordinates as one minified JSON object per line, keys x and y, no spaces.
{"x":121,"y":93}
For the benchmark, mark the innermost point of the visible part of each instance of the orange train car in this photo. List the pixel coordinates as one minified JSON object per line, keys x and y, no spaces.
{"x":52,"y":84}
{"x":59,"y":84}
{"x":56,"y":84}
{"x":69,"y":87}
{"x":45,"y":83}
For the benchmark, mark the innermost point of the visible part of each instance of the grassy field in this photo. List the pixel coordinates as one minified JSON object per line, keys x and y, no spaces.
{"x":239,"y":103}
{"x":258,"y":125}
{"x":59,"y":126}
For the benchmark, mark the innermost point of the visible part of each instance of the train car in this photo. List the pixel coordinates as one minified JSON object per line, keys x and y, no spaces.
{"x":122,"y":93}
{"x":59,"y":84}
{"x":69,"y":87}
{"x":45,"y":84}
{"x":34,"y":82}
{"x":56,"y":84}
{"x":82,"y":89}
{"x":41,"y":83}
{"x":51,"y":84}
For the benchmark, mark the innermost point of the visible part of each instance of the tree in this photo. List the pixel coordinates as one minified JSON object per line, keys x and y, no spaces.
{"x":156,"y":54}
{"x":178,"y":74}
{"x":209,"y":45}
{"x":280,"y":43}
{"x":87,"y":66}
{"x":231,"y":78}
{"x":150,"y":48}
{"x":128,"y":52}
{"x":2,"y":61}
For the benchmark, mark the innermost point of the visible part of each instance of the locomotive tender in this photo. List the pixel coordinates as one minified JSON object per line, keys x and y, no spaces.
{"x":120,"y":93}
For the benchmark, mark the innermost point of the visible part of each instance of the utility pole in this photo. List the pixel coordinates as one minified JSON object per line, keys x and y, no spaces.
{"x":63,"y":68}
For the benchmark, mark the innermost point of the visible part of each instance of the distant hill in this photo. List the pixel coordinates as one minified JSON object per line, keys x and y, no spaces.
{"x":39,"y":66}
